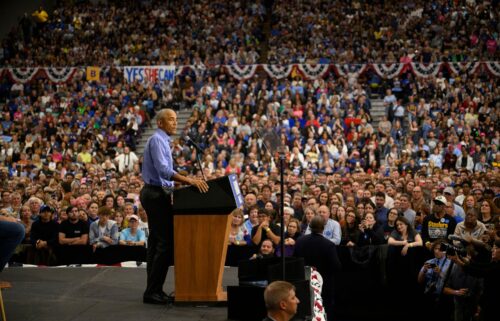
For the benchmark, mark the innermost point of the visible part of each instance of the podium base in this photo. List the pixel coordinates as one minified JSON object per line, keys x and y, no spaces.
{"x":219,"y":300}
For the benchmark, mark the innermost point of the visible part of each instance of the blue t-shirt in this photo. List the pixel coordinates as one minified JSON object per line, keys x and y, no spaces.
{"x":139,"y":236}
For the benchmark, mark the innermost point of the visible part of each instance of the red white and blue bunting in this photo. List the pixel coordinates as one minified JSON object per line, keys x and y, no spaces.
{"x":347,"y":70}
{"x":277,"y":71}
{"x":199,"y":69}
{"x":313,"y":71}
{"x":23,"y":75}
{"x":458,"y":68}
{"x":60,"y":75}
{"x":493,"y":67}
{"x":425,"y":70}
{"x":180,"y":69}
{"x":308,"y":71}
{"x":388,"y":71}
{"x":242,"y":72}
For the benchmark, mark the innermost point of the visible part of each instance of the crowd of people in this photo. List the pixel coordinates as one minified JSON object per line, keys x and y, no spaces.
{"x":383,"y":31}
{"x":138,"y":33}
{"x":428,"y":170}
{"x":156,"y":32}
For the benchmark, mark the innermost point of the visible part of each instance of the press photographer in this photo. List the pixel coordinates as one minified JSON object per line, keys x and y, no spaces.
{"x":432,"y":275}
{"x":464,"y":288}
{"x":491,"y":273}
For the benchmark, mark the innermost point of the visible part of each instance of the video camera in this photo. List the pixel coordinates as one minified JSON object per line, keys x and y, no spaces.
{"x":452,"y":250}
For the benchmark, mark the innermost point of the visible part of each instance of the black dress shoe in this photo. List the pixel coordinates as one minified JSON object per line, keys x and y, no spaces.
{"x":167,"y":297}
{"x":156,"y":298}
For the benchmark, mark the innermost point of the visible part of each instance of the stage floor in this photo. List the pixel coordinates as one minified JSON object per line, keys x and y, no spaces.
{"x":94,"y":293}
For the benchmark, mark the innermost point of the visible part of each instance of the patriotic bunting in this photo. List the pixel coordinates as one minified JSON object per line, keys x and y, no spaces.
{"x":243,"y":72}
{"x":388,"y":71}
{"x":463,"y":67}
{"x":22,"y":75}
{"x":493,"y":67}
{"x":199,"y":69}
{"x":351,"y":71}
{"x":277,"y":71}
{"x":59,"y":75}
{"x":309,"y":71}
{"x":179,"y":70}
{"x":313,"y":71}
{"x":425,"y":70}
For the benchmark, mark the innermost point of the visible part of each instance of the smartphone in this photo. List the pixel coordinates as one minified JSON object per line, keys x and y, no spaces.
{"x":432,"y":265}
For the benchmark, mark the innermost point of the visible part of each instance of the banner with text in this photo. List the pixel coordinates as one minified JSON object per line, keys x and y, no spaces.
{"x":149,"y":74}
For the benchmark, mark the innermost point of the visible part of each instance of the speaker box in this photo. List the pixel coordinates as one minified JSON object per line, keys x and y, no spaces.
{"x":245,"y":303}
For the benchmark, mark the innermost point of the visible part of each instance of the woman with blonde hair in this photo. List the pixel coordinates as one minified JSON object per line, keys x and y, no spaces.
{"x":238,"y":234}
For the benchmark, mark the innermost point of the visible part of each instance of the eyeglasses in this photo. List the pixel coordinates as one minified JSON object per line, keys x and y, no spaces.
{"x":487,"y":205}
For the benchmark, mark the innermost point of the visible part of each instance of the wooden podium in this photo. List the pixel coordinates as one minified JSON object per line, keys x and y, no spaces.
{"x":201,"y":231}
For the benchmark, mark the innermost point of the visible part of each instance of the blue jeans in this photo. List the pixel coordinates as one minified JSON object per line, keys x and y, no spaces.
{"x":11,"y":235}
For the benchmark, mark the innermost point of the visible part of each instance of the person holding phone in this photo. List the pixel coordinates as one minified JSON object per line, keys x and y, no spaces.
{"x":433,"y":271}
{"x":432,"y":275}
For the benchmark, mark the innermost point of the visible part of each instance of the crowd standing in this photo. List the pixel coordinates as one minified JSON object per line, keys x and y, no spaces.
{"x":430,"y":168}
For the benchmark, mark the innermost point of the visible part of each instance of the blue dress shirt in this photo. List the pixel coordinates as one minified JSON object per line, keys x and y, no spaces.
{"x":157,"y":168}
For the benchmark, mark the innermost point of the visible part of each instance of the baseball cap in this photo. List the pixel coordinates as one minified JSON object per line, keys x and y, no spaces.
{"x":133,"y":217}
{"x":441,"y":200}
{"x":46,"y":208}
{"x":449,"y":190}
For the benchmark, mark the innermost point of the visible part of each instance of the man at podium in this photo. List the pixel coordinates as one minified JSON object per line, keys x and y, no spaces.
{"x":156,"y":198}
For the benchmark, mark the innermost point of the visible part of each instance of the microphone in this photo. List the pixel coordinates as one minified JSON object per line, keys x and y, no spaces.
{"x":188,"y":139}
{"x":200,"y":151}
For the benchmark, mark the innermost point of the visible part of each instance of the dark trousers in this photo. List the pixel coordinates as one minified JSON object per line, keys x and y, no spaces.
{"x":11,"y":235}
{"x":158,"y":206}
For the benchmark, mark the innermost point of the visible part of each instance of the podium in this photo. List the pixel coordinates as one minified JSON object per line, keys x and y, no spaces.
{"x":201,"y":231}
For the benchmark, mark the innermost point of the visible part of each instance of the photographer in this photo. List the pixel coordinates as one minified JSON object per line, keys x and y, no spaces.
{"x":432,"y":275}
{"x":464,"y":288}
{"x":491,"y":274}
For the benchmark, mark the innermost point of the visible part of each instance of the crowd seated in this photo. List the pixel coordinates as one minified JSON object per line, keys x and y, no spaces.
{"x":429,"y":169}
{"x":139,"y":33}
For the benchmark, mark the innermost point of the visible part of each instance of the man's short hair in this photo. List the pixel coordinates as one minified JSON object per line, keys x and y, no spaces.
{"x":380,"y":194}
{"x":404,"y":195}
{"x":66,"y":186}
{"x":276,"y":292}
{"x":317,"y":224}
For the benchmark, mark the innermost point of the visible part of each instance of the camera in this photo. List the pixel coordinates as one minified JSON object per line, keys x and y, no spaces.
{"x":452,"y":250}
{"x":432,"y":265}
